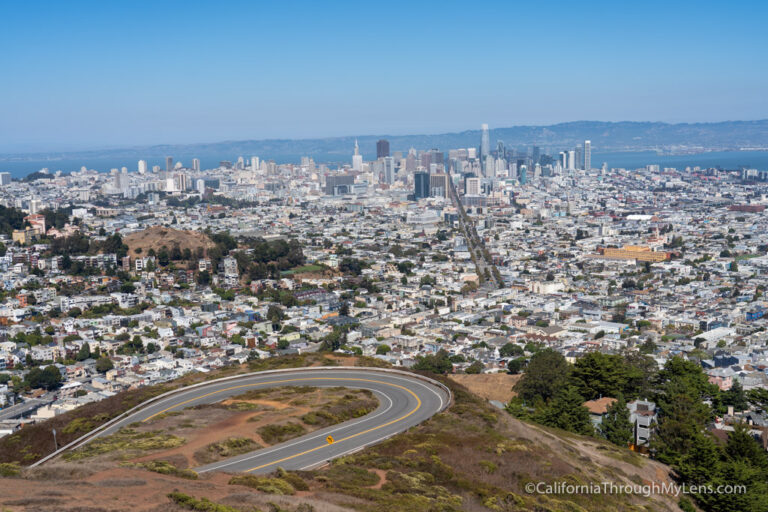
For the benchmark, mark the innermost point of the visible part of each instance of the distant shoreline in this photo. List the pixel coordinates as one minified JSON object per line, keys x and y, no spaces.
{"x":735,"y":159}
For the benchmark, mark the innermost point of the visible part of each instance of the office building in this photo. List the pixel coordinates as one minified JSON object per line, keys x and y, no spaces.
{"x":536,"y":155}
{"x":196,"y":164}
{"x":389,"y":170}
{"x":339,"y":185}
{"x":168,"y":164}
{"x":438,"y":185}
{"x":382,"y":148}
{"x":472,"y":186}
{"x":357,"y":159}
{"x":522,"y":174}
{"x":421,"y":185}
{"x":587,"y":155}
{"x":485,"y":142}
{"x":5,"y":178}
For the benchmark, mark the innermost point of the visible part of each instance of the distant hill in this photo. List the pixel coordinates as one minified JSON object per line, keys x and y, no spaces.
{"x":605,"y":137}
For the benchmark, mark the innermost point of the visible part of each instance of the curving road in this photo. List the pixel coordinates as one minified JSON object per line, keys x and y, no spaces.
{"x":405,"y":400}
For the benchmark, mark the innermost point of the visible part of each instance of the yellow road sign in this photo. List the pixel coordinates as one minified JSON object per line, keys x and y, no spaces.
{"x":329,"y":439}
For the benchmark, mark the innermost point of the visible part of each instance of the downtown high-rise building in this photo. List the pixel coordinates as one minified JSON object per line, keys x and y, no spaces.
{"x":389,"y":170}
{"x":357,"y":159}
{"x":196,"y":164}
{"x":587,"y":155}
{"x":168,"y":164}
{"x":485,"y":145}
{"x":382,"y":148}
{"x":420,"y":185}
{"x":142,"y":168}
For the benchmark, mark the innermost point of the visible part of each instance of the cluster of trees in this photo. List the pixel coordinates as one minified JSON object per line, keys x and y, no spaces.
{"x":265,"y":260}
{"x":79,"y":243}
{"x":10,"y":219}
{"x":552,"y":392}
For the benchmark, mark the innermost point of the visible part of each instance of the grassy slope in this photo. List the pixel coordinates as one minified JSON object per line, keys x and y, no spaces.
{"x":471,"y":457}
{"x":33,"y":442}
{"x":474,"y":457}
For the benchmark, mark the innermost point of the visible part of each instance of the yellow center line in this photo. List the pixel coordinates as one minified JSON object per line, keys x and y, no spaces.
{"x":418,"y":406}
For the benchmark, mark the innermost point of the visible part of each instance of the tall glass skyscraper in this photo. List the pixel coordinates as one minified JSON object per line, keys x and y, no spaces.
{"x":587,"y":154}
{"x":485,"y":147}
{"x":421,"y":185}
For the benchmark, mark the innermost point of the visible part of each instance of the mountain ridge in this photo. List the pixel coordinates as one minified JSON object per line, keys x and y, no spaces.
{"x":605,"y":137}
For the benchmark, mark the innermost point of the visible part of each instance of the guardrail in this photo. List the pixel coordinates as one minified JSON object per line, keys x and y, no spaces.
{"x":101,"y":428}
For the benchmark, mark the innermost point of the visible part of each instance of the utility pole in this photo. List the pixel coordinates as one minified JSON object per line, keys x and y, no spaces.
{"x":55,"y":444}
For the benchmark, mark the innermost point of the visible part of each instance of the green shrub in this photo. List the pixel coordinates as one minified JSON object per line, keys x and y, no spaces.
{"x":265,"y":484}
{"x":272,"y":434}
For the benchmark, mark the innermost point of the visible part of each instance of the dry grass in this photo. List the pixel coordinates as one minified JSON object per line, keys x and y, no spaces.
{"x":491,"y":386}
{"x":156,"y":237}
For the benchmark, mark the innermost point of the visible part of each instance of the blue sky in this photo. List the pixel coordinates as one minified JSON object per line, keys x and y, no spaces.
{"x":82,"y":74}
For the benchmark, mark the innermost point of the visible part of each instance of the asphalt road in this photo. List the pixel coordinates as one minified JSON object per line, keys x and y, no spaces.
{"x":404,"y":401}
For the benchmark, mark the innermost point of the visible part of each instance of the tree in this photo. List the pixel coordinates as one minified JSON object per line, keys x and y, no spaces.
{"x":736,"y":397}
{"x":204,"y":278}
{"x":546,"y":373}
{"x":616,"y":426}
{"x":84,"y":352}
{"x":597,"y":374}
{"x":514,"y":366}
{"x":758,"y":397}
{"x":275,"y":314}
{"x":383,"y":350}
{"x":152,"y":348}
{"x":475,"y":368}
{"x":435,"y":363}
{"x":344,"y":309}
{"x":566,"y":411}
{"x":48,"y":378}
{"x":104,"y":364}
{"x":682,"y":417}
{"x":511,"y":349}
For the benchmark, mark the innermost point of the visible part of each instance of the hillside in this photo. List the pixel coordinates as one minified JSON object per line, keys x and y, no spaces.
{"x":470,"y":458}
{"x":156,"y":237}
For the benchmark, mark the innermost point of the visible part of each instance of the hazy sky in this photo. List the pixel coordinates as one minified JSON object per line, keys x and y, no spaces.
{"x":95,"y":74}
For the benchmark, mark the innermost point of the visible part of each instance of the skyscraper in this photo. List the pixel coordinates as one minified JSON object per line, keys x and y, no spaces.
{"x":357,"y":159}
{"x":196,"y":164}
{"x":536,"y":156}
{"x":587,"y":155}
{"x":142,"y":167}
{"x":382,"y":148}
{"x":389,"y":170}
{"x":485,"y":145}
{"x":421,"y":185}
{"x":168,"y":163}
{"x":579,"y":158}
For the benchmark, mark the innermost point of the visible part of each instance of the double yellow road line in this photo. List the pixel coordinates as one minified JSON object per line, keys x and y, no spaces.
{"x":418,"y":406}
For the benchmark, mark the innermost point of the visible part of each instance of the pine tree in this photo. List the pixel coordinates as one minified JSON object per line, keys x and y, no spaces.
{"x":736,"y":397}
{"x":84,"y":352}
{"x":566,"y":411}
{"x":616,"y":426}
